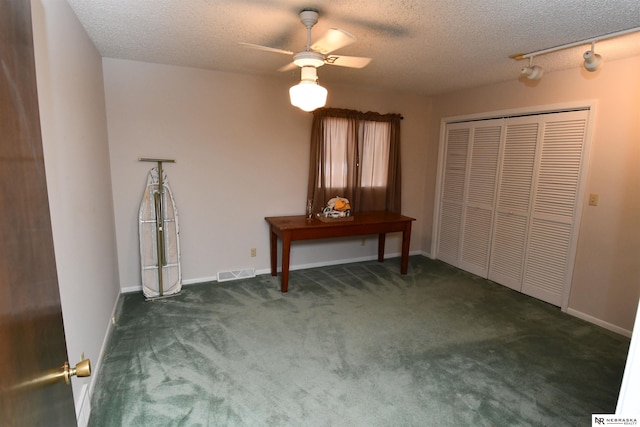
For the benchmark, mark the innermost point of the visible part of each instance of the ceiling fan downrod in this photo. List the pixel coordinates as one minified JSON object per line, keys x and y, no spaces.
{"x":309,"y":18}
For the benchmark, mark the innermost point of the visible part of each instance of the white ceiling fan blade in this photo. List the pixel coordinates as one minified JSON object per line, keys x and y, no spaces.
{"x":333,"y":39}
{"x":347,"y":61}
{"x":265,"y":48}
{"x":288,"y":67}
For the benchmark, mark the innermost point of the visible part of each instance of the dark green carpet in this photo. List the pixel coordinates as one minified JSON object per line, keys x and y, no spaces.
{"x":355,"y":345}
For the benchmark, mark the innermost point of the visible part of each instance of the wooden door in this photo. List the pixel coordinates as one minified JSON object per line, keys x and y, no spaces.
{"x":31,"y":330}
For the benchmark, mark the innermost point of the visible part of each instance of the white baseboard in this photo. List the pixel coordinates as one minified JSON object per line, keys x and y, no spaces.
{"x":83,"y":404}
{"x":425,"y":254}
{"x":599,"y":322}
{"x":138,"y":288}
{"x":83,"y":407}
{"x":320,"y":264}
{"x":336,"y":262}
{"x":185,"y":282}
{"x":200,"y":280}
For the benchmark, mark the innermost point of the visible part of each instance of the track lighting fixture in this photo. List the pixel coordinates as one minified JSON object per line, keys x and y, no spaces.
{"x":532,"y":72}
{"x":592,"y":61}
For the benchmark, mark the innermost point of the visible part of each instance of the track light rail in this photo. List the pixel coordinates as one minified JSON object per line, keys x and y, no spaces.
{"x":520,"y":56}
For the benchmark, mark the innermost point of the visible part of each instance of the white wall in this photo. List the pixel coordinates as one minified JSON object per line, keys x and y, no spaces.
{"x":242,"y":153}
{"x":606,"y":279}
{"x":76,"y":157}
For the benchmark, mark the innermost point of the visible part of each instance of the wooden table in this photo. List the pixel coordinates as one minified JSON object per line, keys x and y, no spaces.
{"x":299,"y":227}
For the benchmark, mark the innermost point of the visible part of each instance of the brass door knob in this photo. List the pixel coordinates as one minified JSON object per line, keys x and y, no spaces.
{"x":82,"y":369}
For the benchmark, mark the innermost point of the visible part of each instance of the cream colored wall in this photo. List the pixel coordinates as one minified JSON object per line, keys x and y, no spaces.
{"x":606,"y":279}
{"x":76,"y":157}
{"x":242,"y":153}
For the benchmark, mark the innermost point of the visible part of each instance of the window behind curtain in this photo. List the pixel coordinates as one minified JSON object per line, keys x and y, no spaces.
{"x":374,"y":153}
{"x":335,"y":153}
{"x":355,"y":155}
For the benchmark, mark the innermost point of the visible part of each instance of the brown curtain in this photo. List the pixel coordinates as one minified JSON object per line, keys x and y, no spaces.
{"x":361,"y":199}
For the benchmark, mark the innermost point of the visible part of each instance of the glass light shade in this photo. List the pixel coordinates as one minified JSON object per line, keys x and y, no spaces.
{"x":308,"y":95}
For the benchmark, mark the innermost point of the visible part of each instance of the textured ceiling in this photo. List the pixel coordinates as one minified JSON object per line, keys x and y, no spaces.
{"x":425,"y":46}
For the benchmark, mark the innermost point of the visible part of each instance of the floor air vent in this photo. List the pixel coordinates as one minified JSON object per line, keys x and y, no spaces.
{"x":224,"y":276}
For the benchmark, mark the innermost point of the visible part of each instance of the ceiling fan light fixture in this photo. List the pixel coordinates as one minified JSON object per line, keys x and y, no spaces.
{"x":308,"y":94}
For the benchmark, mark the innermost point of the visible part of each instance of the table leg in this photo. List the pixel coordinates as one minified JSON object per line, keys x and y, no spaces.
{"x":406,"y":240}
{"x":381,"y":239}
{"x":273,"y":248}
{"x":286,"y":251}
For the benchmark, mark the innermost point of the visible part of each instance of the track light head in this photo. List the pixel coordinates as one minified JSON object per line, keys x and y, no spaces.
{"x":532,"y":72}
{"x":592,"y":60}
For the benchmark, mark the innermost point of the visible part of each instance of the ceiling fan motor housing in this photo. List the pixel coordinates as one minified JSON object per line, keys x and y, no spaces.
{"x":308,"y":59}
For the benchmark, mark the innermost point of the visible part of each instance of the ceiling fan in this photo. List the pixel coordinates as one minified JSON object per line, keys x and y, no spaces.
{"x":319,"y":53}
{"x":308,"y":94}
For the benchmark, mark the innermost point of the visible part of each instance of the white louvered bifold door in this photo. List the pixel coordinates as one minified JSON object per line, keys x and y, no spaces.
{"x":548,"y":265}
{"x":509,"y":200}
{"x":455,"y":172}
{"x":514,"y":201}
{"x":478,"y":207}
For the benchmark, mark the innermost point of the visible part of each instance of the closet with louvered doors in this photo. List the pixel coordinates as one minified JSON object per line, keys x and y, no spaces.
{"x":509,"y":199}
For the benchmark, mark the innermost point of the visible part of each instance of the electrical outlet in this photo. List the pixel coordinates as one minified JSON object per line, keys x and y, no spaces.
{"x":253,"y":252}
{"x":593,"y":199}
